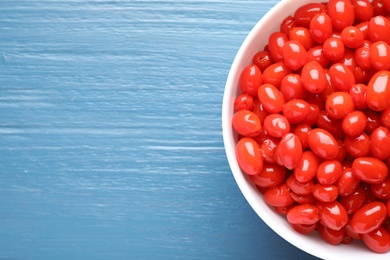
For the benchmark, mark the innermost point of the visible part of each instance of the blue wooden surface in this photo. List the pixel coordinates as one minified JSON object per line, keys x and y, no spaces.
{"x":110,"y":132}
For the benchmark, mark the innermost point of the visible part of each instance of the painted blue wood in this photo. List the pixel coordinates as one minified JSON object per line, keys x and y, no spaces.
{"x":110,"y":132}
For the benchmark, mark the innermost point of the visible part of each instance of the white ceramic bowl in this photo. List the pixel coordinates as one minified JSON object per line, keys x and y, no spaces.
{"x":312,"y":244}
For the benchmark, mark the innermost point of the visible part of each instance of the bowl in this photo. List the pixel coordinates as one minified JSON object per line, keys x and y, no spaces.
{"x":313,"y":243}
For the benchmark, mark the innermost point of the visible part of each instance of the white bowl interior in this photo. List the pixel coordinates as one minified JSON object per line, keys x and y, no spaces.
{"x":312,"y":244}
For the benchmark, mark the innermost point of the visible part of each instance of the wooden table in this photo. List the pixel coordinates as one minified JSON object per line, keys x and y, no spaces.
{"x":110,"y":132}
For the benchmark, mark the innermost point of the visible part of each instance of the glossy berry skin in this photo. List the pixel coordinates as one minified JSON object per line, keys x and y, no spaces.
{"x":358,"y":95}
{"x":304,"y":229}
{"x":278,"y":196}
{"x":329,"y":171}
{"x":282,"y":210}
{"x":385,"y":117}
{"x":271,"y":175}
{"x":287,"y":25}
{"x":363,"y":10}
{"x":291,"y":87}
{"x":296,"y":110}
{"x":386,"y":5}
{"x":336,"y":34}
{"x":373,"y":121}
{"x":378,"y":29}
{"x":302,"y":35}
{"x":366,"y":43}
{"x":294,"y":55}
{"x":268,"y":148}
{"x":339,"y":105}
{"x":330,"y":124}
{"x":249,"y":156}
{"x":275,"y":73}
{"x":347,"y":183}
{"x":250,"y":80}
{"x":276,"y":125}
{"x":332,"y":215}
{"x":348,"y":60}
{"x":377,"y":240}
{"x":354,"y":123}
{"x":362,"y":57}
{"x":379,"y":55}
{"x":246,"y":123}
{"x":243,"y":101}
{"x":380,"y":143}
{"x":259,"y":110}
{"x":378,"y":91}
{"x":362,"y":76}
{"x":271,"y":98}
{"x":382,"y":190}
{"x":363,"y":27}
{"x":333,"y":48}
{"x":321,"y":28}
{"x":276,"y":42}
{"x":262,"y":60}
{"x":302,"y":131}
{"x":353,"y":202}
{"x":303,"y":214}
{"x":313,"y":77}
{"x":325,"y":193}
{"x":342,"y":13}
{"x":349,"y":232}
{"x":259,"y":138}
{"x":290,"y":150}
{"x":323,"y":144}
{"x":357,"y":146}
{"x":341,"y":156}
{"x":369,"y":169}
{"x":379,"y":7}
{"x":277,"y":158}
{"x":313,"y":116}
{"x":352,"y":37}
{"x":316,"y":54}
{"x":333,"y":237}
{"x":341,"y":77}
{"x":307,"y":167}
{"x":305,"y":13}
{"x":328,"y":90}
{"x":303,"y":199}
{"x":299,"y":187}
{"x":369,"y":217}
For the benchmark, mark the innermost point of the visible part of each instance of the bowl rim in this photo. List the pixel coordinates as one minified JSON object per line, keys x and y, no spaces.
{"x":311,"y":244}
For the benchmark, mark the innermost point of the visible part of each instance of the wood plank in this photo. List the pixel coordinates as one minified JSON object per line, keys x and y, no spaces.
{"x":110,"y":131}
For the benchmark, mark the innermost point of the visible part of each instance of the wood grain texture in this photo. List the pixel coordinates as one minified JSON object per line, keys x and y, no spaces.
{"x":110,"y":132}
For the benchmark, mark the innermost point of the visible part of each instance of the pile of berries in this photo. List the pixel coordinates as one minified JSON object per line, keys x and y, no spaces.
{"x":313,"y":120}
